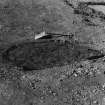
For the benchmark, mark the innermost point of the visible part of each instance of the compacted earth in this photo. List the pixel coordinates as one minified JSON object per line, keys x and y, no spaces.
{"x":56,"y":69}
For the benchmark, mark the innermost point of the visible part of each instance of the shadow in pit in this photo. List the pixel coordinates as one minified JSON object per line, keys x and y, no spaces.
{"x":37,"y":56}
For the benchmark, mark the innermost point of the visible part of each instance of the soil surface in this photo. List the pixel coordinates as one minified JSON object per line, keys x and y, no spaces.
{"x":58,"y":69}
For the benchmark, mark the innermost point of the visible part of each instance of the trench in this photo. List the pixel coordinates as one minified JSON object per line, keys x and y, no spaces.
{"x":38,"y":56}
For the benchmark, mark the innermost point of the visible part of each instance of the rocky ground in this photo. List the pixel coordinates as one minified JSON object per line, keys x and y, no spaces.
{"x":55,"y":70}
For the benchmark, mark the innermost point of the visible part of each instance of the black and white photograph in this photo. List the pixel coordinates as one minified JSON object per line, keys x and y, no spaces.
{"x":52,"y":52}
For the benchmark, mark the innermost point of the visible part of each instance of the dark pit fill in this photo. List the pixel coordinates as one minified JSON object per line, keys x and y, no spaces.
{"x":37,"y":56}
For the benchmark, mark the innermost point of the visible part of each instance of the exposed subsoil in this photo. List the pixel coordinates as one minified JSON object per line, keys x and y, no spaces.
{"x":50,"y":71}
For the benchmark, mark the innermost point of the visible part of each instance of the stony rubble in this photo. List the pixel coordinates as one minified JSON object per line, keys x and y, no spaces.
{"x":81,"y":83}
